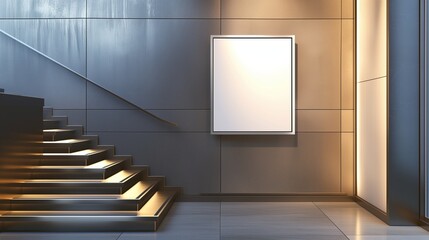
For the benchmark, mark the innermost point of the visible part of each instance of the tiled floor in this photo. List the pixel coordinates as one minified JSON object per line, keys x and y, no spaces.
{"x":256,"y":221}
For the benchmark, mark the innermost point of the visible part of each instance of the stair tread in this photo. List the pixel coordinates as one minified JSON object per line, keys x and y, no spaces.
{"x":51,"y":119}
{"x":67,"y":141}
{"x":56,"y":130}
{"x":86,"y":152}
{"x":103,"y":164}
{"x":157,"y":203}
{"x":119,"y":177}
{"x":134,"y":193}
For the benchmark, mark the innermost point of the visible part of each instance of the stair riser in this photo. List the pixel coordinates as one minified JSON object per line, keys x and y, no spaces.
{"x":73,"y":205}
{"x":71,"y":190}
{"x":87,"y":224}
{"x":77,"y":174}
{"x":14,"y":175}
{"x":50,"y":136}
{"x":52,"y":124}
{"x":47,"y":113}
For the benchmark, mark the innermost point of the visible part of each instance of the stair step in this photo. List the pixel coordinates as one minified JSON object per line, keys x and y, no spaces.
{"x":66,"y":146}
{"x":147,"y":219}
{"x":132,"y":200}
{"x":55,"y":122}
{"x":115,"y":184}
{"x":84,"y":157}
{"x":58,"y":134}
{"x":75,"y":186}
{"x":47,"y":112}
{"x":99,"y":170}
{"x":159,"y":203}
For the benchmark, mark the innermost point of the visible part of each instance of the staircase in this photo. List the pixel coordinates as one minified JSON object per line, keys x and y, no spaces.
{"x":78,"y":185}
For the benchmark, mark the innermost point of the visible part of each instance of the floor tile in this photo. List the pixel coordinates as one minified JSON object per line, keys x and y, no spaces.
{"x":256,"y":221}
{"x":186,"y":220}
{"x":354,"y":220}
{"x":276,"y":221}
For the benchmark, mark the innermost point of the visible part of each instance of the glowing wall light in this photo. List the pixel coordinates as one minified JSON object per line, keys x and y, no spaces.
{"x":253,"y":84}
{"x":371,"y":102}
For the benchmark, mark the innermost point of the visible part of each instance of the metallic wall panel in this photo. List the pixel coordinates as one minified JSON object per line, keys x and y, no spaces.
{"x":347,"y":64}
{"x":318,"y":56}
{"x":347,"y":8}
{"x":281,"y":8}
{"x":347,"y":120}
{"x":74,"y":116}
{"x":160,"y":64}
{"x":25,"y":72}
{"x":137,"y":121}
{"x":42,"y":9}
{"x":188,"y":160}
{"x":347,"y":163}
{"x":318,"y":120}
{"x":100,"y":99}
{"x":404,"y":112}
{"x":153,"y":9}
{"x":64,"y":40}
{"x":308,"y":162}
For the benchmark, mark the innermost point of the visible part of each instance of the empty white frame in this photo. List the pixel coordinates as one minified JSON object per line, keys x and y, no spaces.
{"x":252,"y":84}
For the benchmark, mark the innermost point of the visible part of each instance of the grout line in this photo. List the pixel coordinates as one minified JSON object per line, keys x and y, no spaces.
{"x":232,"y":135}
{"x":189,"y":109}
{"x":172,"y":18}
{"x":220,"y":17}
{"x":86,"y":67}
{"x":119,"y":235}
{"x":330,"y":220}
{"x":220,"y":220}
{"x":372,"y":79}
{"x":341,"y":96}
{"x":220,"y":164}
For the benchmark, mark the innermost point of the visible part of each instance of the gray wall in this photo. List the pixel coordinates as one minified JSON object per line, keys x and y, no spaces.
{"x":404,"y":113}
{"x":156,"y":54}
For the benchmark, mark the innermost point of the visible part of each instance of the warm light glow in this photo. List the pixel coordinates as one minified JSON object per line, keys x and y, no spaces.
{"x":101,"y":164}
{"x":79,"y":153}
{"x":65,"y":141}
{"x":120,"y":176}
{"x":371,"y":102}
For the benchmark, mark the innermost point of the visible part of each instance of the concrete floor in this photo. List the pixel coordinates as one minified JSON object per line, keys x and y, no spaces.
{"x":256,"y":221}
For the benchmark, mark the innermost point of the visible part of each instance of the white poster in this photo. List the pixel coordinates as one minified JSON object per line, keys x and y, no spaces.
{"x":253,"y":84}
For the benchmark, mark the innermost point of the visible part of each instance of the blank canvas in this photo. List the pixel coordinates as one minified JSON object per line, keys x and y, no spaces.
{"x":253,"y":84}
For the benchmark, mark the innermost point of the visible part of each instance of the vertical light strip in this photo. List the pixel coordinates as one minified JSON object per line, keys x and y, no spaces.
{"x":371,"y":102}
